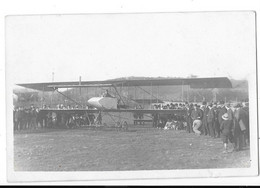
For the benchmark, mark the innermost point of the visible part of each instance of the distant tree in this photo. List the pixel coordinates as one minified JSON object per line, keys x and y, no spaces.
{"x":192,"y":76}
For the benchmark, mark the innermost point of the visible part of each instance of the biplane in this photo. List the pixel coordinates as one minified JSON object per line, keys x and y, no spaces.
{"x":108,"y":103}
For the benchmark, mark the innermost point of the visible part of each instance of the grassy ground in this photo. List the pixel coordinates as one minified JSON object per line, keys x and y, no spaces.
{"x":137,"y":149}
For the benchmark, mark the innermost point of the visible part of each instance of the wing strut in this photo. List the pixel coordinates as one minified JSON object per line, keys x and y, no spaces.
{"x":119,"y":95}
{"x":68,"y":98}
{"x":148,"y":93}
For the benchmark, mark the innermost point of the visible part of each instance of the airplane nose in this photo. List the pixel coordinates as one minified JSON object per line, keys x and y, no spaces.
{"x":95,"y":102}
{"x":103,"y":102}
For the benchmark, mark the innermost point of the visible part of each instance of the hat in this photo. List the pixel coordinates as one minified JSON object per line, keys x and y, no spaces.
{"x":245,"y":104}
{"x":221,"y":102}
{"x":225,"y":116}
{"x":238,"y":105}
{"x":228,"y":104}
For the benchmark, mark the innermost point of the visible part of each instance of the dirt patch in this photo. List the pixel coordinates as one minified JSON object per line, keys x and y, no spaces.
{"x":140,"y":148}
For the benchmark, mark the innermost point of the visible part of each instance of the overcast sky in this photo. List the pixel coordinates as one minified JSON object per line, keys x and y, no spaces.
{"x":106,"y":46}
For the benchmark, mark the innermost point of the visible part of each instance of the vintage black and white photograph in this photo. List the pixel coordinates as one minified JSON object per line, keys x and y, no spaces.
{"x":133,"y":95}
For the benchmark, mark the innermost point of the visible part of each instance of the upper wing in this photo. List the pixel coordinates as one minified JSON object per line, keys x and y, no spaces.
{"x":213,"y":82}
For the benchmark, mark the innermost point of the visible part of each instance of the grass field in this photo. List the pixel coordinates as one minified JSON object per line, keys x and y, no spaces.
{"x":137,"y":149}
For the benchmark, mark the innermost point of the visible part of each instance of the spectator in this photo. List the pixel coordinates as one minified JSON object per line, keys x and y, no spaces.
{"x":170,"y":124}
{"x":17,"y":119}
{"x":33,"y":117}
{"x":239,"y":126}
{"x":210,"y":120}
{"x":226,"y":128}
{"x":189,"y":109}
{"x":205,"y":109}
{"x":196,"y":116}
{"x":221,"y":110}
{"x":246,"y":109}
{"x":161,"y":124}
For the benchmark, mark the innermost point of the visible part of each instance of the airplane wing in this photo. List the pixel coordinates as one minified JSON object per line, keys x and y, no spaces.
{"x":213,"y":82}
{"x":142,"y":111}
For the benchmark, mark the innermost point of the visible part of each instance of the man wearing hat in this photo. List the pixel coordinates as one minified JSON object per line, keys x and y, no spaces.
{"x":187,"y":116}
{"x":210,"y":120}
{"x":226,"y":128}
{"x":240,"y":127}
{"x":196,"y":116}
{"x":229,"y":112}
{"x":205,"y":110}
{"x":221,"y":111}
{"x":245,"y":107}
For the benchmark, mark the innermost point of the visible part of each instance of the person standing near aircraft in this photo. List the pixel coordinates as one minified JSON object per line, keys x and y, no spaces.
{"x":196,"y":116}
{"x":230,"y":114}
{"x":239,"y":127}
{"x":189,"y":108}
{"x":23,"y":118}
{"x":221,"y":111}
{"x":205,"y":109}
{"x":155,"y":119}
{"x":210,"y":120}
{"x":186,"y":108}
{"x":17,"y":119}
{"x":226,"y":128}
{"x":98,"y":120}
{"x":246,"y":109}
{"x":32,"y":115}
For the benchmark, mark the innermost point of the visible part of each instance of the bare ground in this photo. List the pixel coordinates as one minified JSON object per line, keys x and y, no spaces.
{"x":137,"y":149}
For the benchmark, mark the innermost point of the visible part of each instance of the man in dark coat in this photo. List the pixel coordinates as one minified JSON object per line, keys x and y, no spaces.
{"x":239,"y":115}
{"x":226,"y":128}
{"x":18,"y":119}
{"x":33,"y":117}
{"x":230,"y":114}
{"x":210,"y":120}
{"x":188,"y":108}
{"x":187,"y":116}
{"x":205,"y":110}
{"x":220,"y":112}
{"x":247,"y":135}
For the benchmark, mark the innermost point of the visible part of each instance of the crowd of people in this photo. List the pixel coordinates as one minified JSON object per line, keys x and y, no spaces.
{"x":32,"y":118}
{"x":217,"y":120}
{"x":168,"y":106}
{"x":25,"y":118}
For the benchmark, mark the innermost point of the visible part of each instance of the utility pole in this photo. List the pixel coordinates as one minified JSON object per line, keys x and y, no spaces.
{"x":182,"y":91}
{"x":80,"y":85}
{"x":52,"y":79}
{"x":157,"y":94}
{"x":151,"y":97}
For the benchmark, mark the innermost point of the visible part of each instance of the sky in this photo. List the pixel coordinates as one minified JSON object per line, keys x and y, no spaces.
{"x":107,"y":46}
